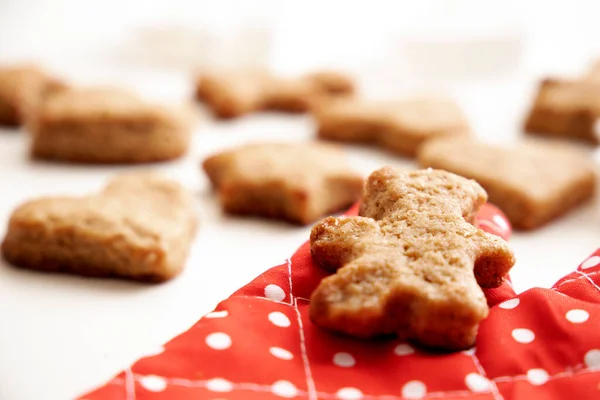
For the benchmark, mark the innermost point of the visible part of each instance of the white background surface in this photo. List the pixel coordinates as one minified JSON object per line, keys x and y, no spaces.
{"x":62,"y":335}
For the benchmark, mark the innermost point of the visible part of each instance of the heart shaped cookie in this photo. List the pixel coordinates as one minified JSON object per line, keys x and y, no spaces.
{"x":139,"y":227}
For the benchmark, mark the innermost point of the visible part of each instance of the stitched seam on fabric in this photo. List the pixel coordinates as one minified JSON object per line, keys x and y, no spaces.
{"x":245,"y":296}
{"x":577,"y":370}
{"x":576,"y":279}
{"x":181,"y":382}
{"x":495,"y":392}
{"x":310,"y":383}
{"x":588,"y":279}
{"x":432,"y":395}
{"x":289,"y":264}
{"x":255,"y":387}
{"x":313,"y":394}
{"x":129,"y":385}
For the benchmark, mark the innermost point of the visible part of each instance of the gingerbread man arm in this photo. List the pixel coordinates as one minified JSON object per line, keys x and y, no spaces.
{"x":493,"y":259}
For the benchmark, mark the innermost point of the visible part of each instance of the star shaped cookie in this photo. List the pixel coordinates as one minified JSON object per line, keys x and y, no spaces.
{"x":297,"y":182}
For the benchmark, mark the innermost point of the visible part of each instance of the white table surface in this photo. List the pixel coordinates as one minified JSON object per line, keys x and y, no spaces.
{"x":62,"y":335}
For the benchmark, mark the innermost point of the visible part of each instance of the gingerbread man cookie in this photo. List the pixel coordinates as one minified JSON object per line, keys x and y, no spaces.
{"x":412,"y":263}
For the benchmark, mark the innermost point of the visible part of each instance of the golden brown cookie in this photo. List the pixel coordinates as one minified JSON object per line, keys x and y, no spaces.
{"x":139,"y":227}
{"x":231,"y":94}
{"x":103,"y":125}
{"x":593,"y":74}
{"x":565,"y":109}
{"x":22,"y":87}
{"x":401,"y":126}
{"x":411,"y":264}
{"x":332,"y":82}
{"x":297,"y":182}
{"x":533,"y":182}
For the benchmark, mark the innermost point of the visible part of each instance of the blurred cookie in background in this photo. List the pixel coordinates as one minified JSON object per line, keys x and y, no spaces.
{"x":108,"y":125}
{"x":233,"y":93}
{"x":139,"y":227}
{"x":22,"y":87}
{"x":400,"y":126}
{"x":593,"y":73}
{"x":296,"y":182}
{"x":566,"y":109}
{"x":533,"y":182}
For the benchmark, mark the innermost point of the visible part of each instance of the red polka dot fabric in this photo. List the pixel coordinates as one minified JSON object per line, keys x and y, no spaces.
{"x":260,"y":344}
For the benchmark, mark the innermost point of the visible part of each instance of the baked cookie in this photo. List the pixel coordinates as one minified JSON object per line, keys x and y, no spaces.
{"x":401,"y":126}
{"x":593,"y":74}
{"x":22,"y":87}
{"x":411,"y":264}
{"x":297,"y":182}
{"x":103,"y":125}
{"x":565,"y":109}
{"x":332,"y":82}
{"x":139,"y":227}
{"x":533,"y":182}
{"x":231,"y":94}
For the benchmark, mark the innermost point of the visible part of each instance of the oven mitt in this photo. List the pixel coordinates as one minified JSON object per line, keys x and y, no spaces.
{"x":259,"y":344}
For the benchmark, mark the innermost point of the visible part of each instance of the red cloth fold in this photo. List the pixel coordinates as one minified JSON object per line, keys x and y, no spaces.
{"x":260,"y":344}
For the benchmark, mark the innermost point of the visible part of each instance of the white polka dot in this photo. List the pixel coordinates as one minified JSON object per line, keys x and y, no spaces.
{"x":523,"y":335}
{"x":349,"y":393}
{"x":219,"y":385}
{"x":592,"y":359}
{"x":344,"y":360}
{"x":218,"y":341}
{"x":469,"y":352}
{"x":501,"y":222}
{"x":284,"y":389}
{"x":591,"y":262}
{"x":477,"y":383}
{"x":414,"y":390}
{"x":217,"y":314}
{"x":153,"y":383}
{"x":155,"y":351}
{"x":403,"y":349}
{"x":577,"y":316}
{"x":281,"y":353}
{"x":279,"y":319}
{"x":537,"y":376}
{"x":274,"y":292}
{"x":510,"y":304}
